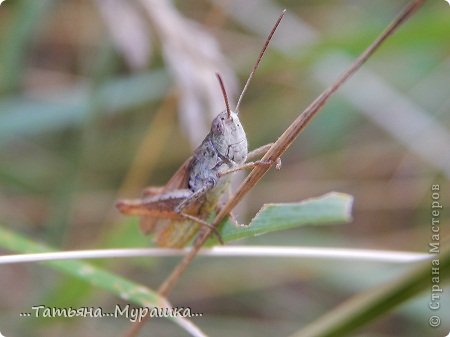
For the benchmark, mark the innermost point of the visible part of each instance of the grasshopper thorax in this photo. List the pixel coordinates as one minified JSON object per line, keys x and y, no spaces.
{"x":228,"y":137}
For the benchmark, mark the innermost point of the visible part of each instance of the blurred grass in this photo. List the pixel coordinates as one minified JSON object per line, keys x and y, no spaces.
{"x":24,"y":117}
{"x":26,"y":20}
{"x":365,"y":307}
{"x":71,"y":124}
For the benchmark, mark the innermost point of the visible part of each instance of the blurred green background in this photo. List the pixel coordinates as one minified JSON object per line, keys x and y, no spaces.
{"x":101,"y":98}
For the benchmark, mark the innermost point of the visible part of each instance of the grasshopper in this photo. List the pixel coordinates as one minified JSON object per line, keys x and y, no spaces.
{"x":175,"y":212}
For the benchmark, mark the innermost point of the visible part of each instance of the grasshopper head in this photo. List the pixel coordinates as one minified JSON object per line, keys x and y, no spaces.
{"x":228,"y":137}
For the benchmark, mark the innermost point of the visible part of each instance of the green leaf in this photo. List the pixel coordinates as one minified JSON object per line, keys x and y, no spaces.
{"x":327,"y":209}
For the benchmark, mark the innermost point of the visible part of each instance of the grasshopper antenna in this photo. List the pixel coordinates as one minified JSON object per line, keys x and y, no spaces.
{"x":224,"y":93}
{"x":261,"y":54}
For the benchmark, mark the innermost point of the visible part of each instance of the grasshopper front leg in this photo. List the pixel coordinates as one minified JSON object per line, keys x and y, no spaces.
{"x":249,"y":165}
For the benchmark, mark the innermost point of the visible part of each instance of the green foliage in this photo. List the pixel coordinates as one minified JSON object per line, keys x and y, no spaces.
{"x":328,"y":209}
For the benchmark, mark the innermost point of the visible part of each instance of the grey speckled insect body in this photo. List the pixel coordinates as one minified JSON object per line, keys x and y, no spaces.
{"x":225,"y":147}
